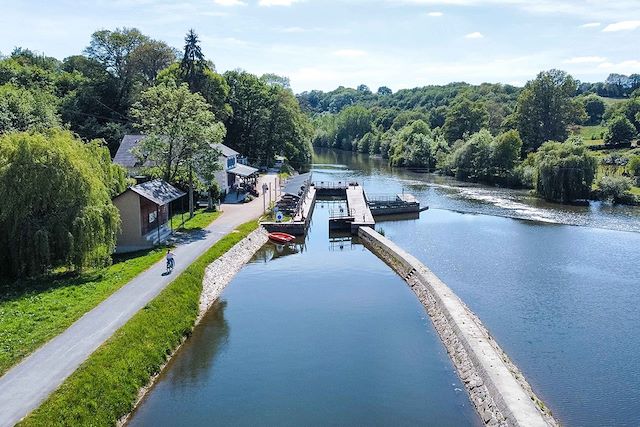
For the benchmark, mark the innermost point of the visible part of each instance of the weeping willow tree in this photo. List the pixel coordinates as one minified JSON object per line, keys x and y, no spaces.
{"x":565,"y":171}
{"x":55,"y":204}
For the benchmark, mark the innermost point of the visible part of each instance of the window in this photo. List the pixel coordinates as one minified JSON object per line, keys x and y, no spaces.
{"x":231,"y":162}
{"x":153,"y":216}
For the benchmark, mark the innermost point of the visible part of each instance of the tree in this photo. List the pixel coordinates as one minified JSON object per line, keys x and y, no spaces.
{"x":180,"y":134}
{"x":565,"y":171}
{"x":595,"y":107}
{"x":22,"y":109}
{"x":615,"y":188}
{"x":114,"y":49}
{"x":212,"y":86}
{"x":275,"y":80}
{"x":384,"y":91}
{"x":56,"y":208}
{"x":464,"y":118}
{"x":415,"y":145}
{"x":545,"y":108}
{"x":193,"y":63}
{"x":505,"y":154}
{"x":267,"y":121}
{"x":150,"y":57}
{"x":619,"y":131}
{"x":351,"y":125}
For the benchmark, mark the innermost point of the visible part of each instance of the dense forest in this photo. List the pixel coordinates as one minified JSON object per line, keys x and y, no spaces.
{"x":499,"y":134}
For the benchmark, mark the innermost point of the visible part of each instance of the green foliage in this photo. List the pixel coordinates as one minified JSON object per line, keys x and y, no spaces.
{"x":180,"y":131}
{"x":464,"y":118}
{"x":595,"y":108}
{"x":485,"y":158}
{"x":23,"y":109}
{"x":633,"y":167}
{"x":106,"y":385}
{"x":266,"y":122}
{"x":56,"y":206}
{"x":619,"y":131}
{"x":546,"y":108}
{"x":615,"y":188}
{"x":415,"y":145}
{"x":565,"y":171}
{"x":34,"y":311}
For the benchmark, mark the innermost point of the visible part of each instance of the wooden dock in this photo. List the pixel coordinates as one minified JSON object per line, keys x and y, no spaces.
{"x":359,"y":208}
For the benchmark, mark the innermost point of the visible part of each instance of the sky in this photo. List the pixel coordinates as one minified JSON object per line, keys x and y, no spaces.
{"x":323,"y":44}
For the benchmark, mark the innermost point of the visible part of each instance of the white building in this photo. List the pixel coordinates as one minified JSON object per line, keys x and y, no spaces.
{"x":231,"y":167}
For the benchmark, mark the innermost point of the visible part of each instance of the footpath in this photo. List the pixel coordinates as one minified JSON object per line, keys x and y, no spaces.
{"x":25,"y":386}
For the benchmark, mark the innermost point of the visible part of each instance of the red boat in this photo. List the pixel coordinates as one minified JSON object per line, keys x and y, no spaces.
{"x":281,"y":238}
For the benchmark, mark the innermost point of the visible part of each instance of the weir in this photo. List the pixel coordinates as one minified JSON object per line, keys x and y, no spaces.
{"x":499,"y":391}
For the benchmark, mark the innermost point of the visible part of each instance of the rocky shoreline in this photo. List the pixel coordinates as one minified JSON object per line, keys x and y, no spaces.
{"x":499,"y":391}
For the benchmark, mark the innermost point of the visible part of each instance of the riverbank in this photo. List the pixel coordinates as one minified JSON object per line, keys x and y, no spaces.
{"x":498,"y":389}
{"x":107,"y":385}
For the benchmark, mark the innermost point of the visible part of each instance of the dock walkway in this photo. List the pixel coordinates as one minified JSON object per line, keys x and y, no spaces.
{"x":359,"y":208}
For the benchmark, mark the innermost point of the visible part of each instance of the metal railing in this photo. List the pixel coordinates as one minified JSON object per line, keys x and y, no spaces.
{"x":334,"y":185}
{"x":341,"y":212}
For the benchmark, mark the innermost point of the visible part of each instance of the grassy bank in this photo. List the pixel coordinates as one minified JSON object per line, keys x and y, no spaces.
{"x":34,"y":311}
{"x":201,"y":219}
{"x":106,"y":385}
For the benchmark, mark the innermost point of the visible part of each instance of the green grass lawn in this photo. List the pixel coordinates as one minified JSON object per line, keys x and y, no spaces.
{"x":106,"y":385}
{"x":30,"y":318}
{"x":592,"y":135}
{"x":201,"y":219}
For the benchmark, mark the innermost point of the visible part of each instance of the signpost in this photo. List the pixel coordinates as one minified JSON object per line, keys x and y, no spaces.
{"x":265,"y":187}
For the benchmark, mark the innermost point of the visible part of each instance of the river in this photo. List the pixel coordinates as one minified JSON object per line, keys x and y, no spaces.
{"x":329,"y":335}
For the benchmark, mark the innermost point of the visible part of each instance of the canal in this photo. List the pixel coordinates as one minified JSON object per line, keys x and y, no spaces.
{"x":329,"y":335}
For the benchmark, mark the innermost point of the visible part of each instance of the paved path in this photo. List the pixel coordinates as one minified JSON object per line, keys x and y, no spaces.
{"x":24,"y":387}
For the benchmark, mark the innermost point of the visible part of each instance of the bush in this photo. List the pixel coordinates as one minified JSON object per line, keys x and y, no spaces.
{"x":615,"y":188}
{"x":620,"y":131}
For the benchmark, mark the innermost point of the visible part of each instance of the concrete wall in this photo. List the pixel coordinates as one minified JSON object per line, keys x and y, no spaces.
{"x":130,"y":236}
{"x":497,"y":388}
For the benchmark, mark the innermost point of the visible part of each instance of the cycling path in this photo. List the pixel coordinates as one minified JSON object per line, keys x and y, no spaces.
{"x":24,"y":387}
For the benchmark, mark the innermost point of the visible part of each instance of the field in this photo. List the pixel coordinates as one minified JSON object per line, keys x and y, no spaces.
{"x":29,"y":318}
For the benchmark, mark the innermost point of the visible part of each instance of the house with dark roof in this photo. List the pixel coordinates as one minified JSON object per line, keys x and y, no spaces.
{"x":230,"y":161}
{"x":145,"y":212}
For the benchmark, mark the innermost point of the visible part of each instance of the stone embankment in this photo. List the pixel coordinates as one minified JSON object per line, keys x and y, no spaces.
{"x":216,"y":277}
{"x":219,"y":273}
{"x":499,"y":391}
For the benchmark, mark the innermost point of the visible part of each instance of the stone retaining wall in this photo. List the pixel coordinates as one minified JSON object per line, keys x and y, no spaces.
{"x":220,"y":272}
{"x":497,"y":388}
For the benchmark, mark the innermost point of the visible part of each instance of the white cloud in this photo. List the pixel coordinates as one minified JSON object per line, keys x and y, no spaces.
{"x":435,"y":14}
{"x":474,"y":35}
{"x":230,"y":2}
{"x":587,"y":9}
{"x":585,"y":60}
{"x":625,"y":67}
{"x":590,"y":25}
{"x":350,"y":53}
{"x":622,"y":26}
{"x":269,"y":3}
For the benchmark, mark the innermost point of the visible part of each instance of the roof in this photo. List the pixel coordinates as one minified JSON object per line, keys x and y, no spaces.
{"x":293,"y":184}
{"x":242,"y":170}
{"x":158,"y":191}
{"x":124,"y":156}
{"x":226,"y":151}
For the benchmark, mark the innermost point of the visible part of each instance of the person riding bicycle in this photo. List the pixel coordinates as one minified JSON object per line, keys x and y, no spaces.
{"x":171,"y":262}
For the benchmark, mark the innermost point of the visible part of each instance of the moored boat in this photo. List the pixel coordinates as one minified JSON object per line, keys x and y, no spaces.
{"x":281,"y":237}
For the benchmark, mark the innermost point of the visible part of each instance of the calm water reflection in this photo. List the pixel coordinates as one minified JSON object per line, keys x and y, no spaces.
{"x":323,"y":335}
{"x":561,"y":300}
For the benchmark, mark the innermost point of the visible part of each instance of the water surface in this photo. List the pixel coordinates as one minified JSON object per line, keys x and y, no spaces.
{"x":324,"y":335}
